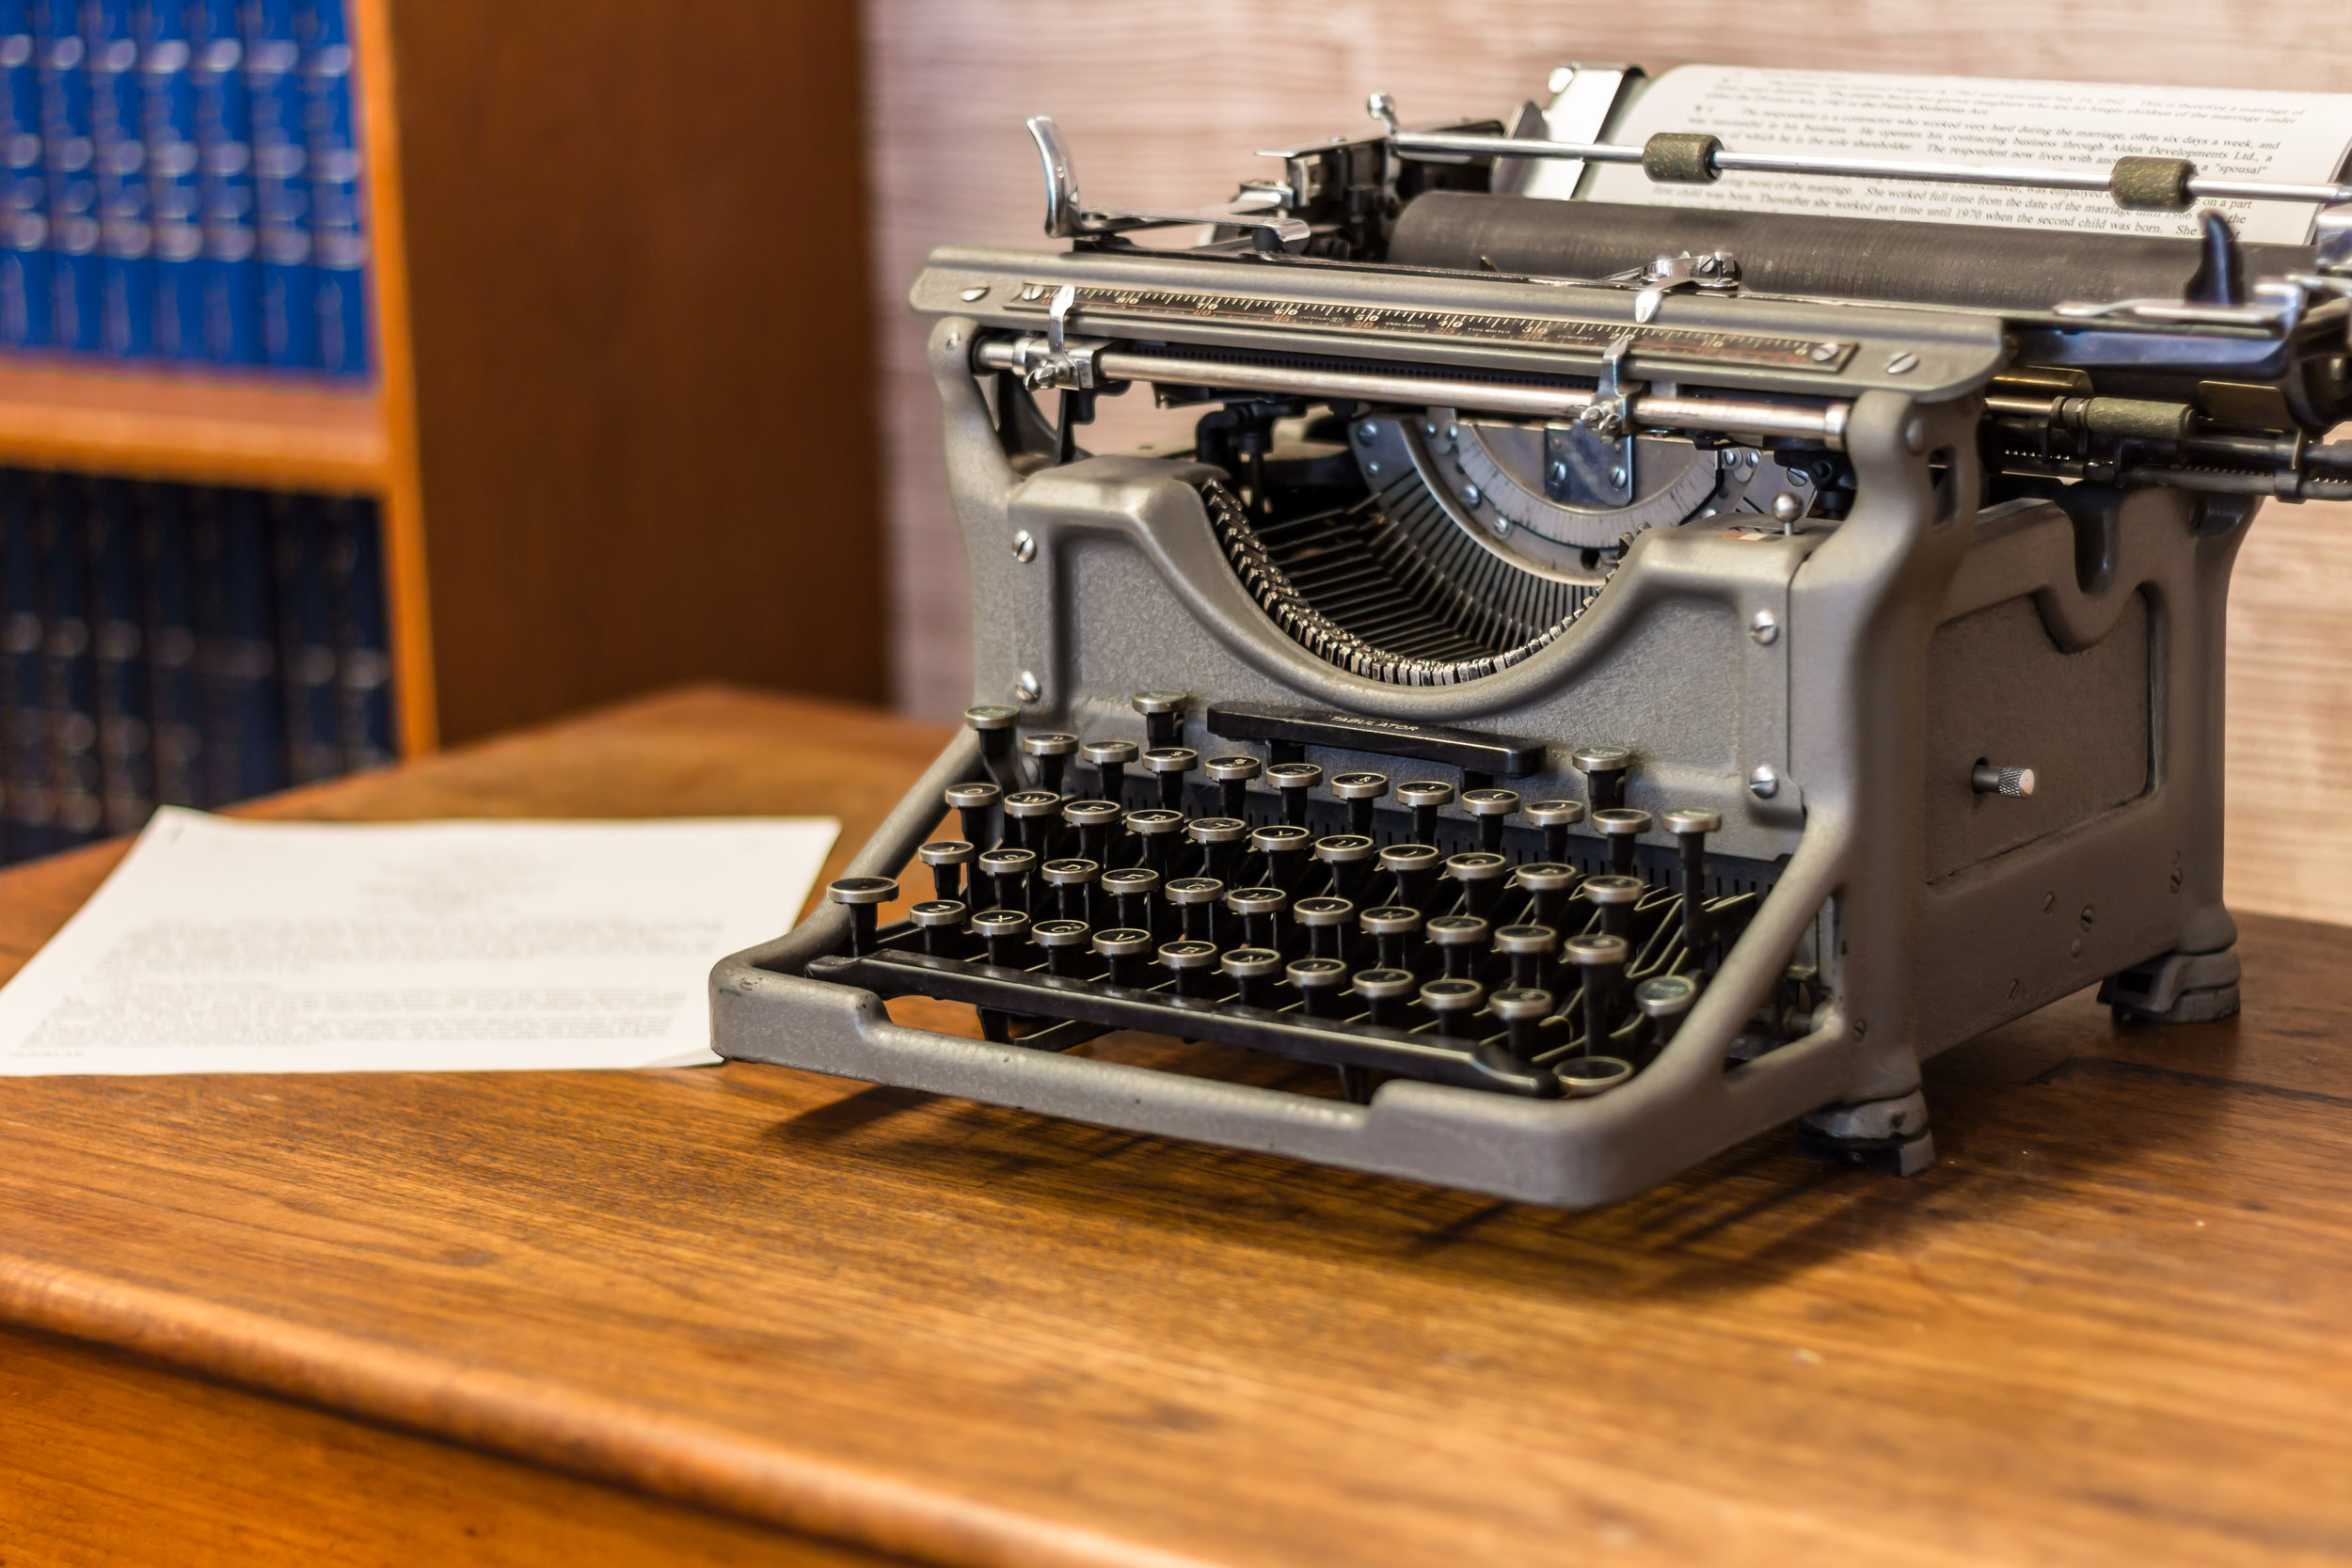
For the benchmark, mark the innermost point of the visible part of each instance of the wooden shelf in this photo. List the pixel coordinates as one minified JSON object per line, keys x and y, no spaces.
{"x":216,"y":430}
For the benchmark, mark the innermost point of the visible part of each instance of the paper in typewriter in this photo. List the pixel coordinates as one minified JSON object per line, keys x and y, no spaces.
{"x":1966,"y":119}
{"x":221,"y":946}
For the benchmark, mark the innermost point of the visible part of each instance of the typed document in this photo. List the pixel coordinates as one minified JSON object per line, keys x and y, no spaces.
{"x":2295,"y":137}
{"x":226,"y":946}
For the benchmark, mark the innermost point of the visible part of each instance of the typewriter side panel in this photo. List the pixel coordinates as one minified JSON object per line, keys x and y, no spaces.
{"x":2094,"y":640}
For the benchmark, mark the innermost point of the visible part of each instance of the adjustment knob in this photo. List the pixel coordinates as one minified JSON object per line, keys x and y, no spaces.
{"x":2015,"y":783}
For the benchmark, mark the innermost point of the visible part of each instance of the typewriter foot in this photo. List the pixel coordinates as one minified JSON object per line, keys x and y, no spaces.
{"x":1889,"y":1136}
{"x":2179,"y":988}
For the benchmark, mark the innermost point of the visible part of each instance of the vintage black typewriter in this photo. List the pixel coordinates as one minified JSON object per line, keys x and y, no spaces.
{"x":1609,"y":676}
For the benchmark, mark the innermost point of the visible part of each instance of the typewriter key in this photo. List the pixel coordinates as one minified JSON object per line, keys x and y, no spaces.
{"x":1326,"y":922}
{"x":1318,"y":982}
{"x":1455,"y":1002}
{"x":1253,"y":972}
{"x":1363,"y":792}
{"x":1220,"y":839}
{"x":1392,"y":929}
{"x":1260,"y":911}
{"x":1006,"y":932}
{"x":975,"y":803}
{"x":1194,"y":900}
{"x":1461,"y":944}
{"x":1030,"y":816}
{"x":1690,"y":825}
{"x":1549,"y":885}
{"x":1386,"y":991}
{"x":1065,"y":943}
{"x":1172,"y":762}
{"x":1599,"y":963}
{"x":1621,"y":826}
{"x":1163,"y":715}
{"x":1555,"y":818}
{"x":1283,"y":848}
{"x":1130,"y":891}
{"x":1052,"y":751}
{"x":941,"y":921}
{"x":995,"y":724}
{"x":1073,"y":882}
{"x":1094,"y":822}
{"x":1294,"y":779}
{"x":1665,"y":1000}
{"x":1583,"y":1077}
{"x":1424,"y":795}
{"x":1111,"y":759}
{"x":1482,"y":875}
{"x":1156,"y":829}
{"x":1415,"y":868}
{"x":1007,"y":872}
{"x":1528,"y":947}
{"x":1615,"y":896}
{"x":1353,"y":858}
{"x":1124,"y":949}
{"x":1491,"y":807}
{"x":1233,"y":775}
{"x":946,"y":857}
{"x":1604,"y":768}
{"x":1522,"y":1010}
{"x":1190,"y":962}
{"x":860,"y":896}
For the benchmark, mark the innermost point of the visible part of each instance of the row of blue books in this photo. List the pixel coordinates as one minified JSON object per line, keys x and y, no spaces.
{"x":180,"y":183}
{"x":181,"y":644}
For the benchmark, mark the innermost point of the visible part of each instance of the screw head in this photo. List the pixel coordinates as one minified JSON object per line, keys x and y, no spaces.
{"x":1901,"y":362}
{"x":1616,"y":477}
{"x":1764,"y":783}
{"x":976,"y":292}
{"x":1025,"y":546}
{"x":1367,"y":432}
{"x":1823,"y":353}
{"x":1028,"y":689}
{"x":1765,"y":628}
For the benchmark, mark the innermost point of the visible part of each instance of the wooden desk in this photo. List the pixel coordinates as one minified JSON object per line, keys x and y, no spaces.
{"x":726,"y":1315}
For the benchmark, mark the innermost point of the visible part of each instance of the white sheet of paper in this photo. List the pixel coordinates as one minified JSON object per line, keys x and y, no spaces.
{"x":225,"y":946}
{"x":2247,"y":134}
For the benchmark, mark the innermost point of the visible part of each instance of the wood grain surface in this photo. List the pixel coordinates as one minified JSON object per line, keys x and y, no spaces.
{"x":1165,"y":102}
{"x":2106,"y":1327}
{"x":110,"y":1460}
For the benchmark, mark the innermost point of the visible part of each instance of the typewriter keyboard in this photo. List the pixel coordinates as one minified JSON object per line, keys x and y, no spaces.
{"x":1428,"y":922}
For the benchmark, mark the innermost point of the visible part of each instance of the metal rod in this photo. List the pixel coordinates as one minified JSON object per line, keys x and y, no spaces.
{"x":1727,"y":162}
{"x":1825,"y":423}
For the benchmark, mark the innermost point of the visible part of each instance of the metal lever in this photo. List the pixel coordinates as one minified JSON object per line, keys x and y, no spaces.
{"x":1258,"y":210}
{"x":1610,"y":414}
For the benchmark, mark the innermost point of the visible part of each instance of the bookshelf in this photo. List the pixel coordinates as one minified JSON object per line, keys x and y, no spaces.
{"x":614,"y":446}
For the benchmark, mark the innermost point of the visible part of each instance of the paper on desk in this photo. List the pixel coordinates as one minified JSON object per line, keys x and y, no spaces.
{"x":2230,"y":132}
{"x":222,"y":946}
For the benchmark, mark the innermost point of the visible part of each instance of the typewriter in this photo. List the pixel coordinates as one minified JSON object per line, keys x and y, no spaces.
{"x":1605,"y":678}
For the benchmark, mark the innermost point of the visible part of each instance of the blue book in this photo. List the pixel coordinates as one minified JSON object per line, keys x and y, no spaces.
{"x":126,"y":759}
{"x":363,"y":649}
{"x":306,"y":640}
{"x":23,"y":685}
{"x":169,"y":624}
{"x":118,"y":140}
{"x":338,"y":229}
{"x":232,"y":260}
{"x":77,"y":278}
{"x":236,"y":645}
{"x":175,"y":183}
{"x":72,"y":669}
{"x":24,"y":303}
{"x":281,"y":185}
